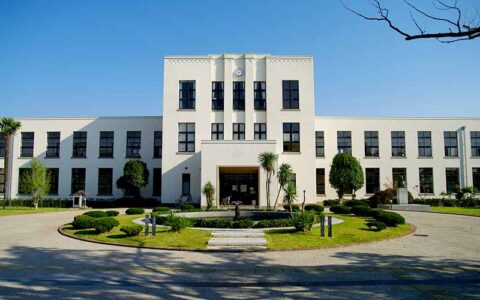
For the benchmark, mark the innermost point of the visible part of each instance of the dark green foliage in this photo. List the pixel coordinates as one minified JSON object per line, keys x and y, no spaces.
{"x":328,"y":203}
{"x":363,"y":211}
{"x":131,"y":230}
{"x":295,"y":207}
{"x":448,"y":202}
{"x":245,"y":223}
{"x":161,"y":209}
{"x":102,"y":225}
{"x":467,"y":202}
{"x":314,"y":207}
{"x":112,"y":213}
{"x":352,"y":203}
{"x":96,"y":214}
{"x":382,"y":197}
{"x":341,"y":209}
{"x":83,"y":222}
{"x":188,"y":207}
{"x":135,"y":211}
{"x":135,"y":175}
{"x":376,"y":226}
{"x":177,"y":223}
{"x":346,"y":174}
{"x":304,"y":221}
{"x":391,"y":219}
{"x":273,"y":223}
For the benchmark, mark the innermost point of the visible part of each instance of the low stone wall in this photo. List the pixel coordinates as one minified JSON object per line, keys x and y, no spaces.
{"x":406,"y":207}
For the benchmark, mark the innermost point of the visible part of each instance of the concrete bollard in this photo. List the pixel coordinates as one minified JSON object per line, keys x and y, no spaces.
{"x":154,"y":225}
{"x":322,"y":226}
{"x":147,"y":224}
{"x":329,"y":226}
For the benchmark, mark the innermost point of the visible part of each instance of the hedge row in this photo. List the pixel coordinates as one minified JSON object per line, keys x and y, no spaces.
{"x":389,"y":218}
{"x":101,"y":225}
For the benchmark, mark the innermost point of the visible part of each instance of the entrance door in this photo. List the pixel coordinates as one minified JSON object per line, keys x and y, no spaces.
{"x":241,"y":186}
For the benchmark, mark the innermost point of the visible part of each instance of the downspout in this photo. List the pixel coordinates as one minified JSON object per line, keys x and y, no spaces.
{"x":463,"y":158}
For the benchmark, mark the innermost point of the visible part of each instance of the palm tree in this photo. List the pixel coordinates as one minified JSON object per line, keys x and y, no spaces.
{"x":267,"y":161}
{"x":284,"y":173}
{"x":290,"y":196}
{"x":8,"y":127}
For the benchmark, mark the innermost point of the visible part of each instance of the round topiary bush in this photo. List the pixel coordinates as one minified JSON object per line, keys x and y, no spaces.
{"x":177,"y":223}
{"x":112,"y":213}
{"x":341,"y":209}
{"x":102,"y":225}
{"x":161,"y":209}
{"x":376,"y":226}
{"x":135,"y":211}
{"x":96,"y":214}
{"x":363,"y":211}
{"x":131,"y":230}
{"x":353,"y":203}
{"x":391,"y":219}
{"x":314,"y":207}
{"x":83,"y":222}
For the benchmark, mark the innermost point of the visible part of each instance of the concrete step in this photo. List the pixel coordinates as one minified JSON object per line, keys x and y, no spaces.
{"x":237,"y":248}
{"x":237,"y":242}
{"x":237,"y":234}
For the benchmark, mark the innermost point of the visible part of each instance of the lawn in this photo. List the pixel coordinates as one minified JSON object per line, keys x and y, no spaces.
{"x":471,"y":211}
{"x":19,"y":210}
{"x":187,"y":238}
{"x":352,"y":230}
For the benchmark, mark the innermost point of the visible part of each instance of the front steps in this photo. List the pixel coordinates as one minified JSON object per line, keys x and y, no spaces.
{"x":237,"y":240}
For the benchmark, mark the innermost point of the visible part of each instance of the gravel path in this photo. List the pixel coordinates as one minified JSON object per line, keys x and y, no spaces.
{"x":441,"y":260}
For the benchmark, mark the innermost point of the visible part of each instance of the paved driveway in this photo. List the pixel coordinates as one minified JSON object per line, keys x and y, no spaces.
{"x":441,"y":260}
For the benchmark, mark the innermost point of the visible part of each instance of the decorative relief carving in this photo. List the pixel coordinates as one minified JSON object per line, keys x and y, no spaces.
{"x":237,"y":153}
{"x":285,"y":60}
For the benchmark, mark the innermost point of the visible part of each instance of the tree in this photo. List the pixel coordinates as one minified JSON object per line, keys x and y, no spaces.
{"x":290,"y":191}
{"x":135,"y":176}
{"x":8,"y":127}
{"x":208,"y":190}
{"x":267,"y":162}
{"x":456,"y":27}
{"x":284,"y":174}
{"x":36,"y":182}
{"x":346,"y":174}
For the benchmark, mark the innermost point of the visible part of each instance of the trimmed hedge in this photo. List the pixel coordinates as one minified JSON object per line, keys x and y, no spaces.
{"x":177,"y":223}
{"x":391,"y":219}
{"x":245,"y":223}
{"x":83,"y":222}
{"x":363,"y":211}
{"x":376,"y":226}
{"x":272,"y":223}
{"x":112,"y":213}
{"x":353,"y":203}
{"x":131,"y":230}
{"x":161,"y":209}
{"x":135,"y":211}
{"x":103,"y":225}
{"x":295,"y":207}
{"x":341,"y":209}
{"x":314,"y":207}
{"x":96,"y":214}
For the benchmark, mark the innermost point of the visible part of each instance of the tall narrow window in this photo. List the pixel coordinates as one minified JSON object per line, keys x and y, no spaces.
{"x":320,"y":181}
{"x":53,"y":144}
{"x":426,"y":180}
{"x":54,"y":177}
{"x":157,"y":182}
{"x":2,"y":144}
{"x":105,"y":178}
{"x":293,"y":179}
{"x":474,"y":143}
{"x":187,"y":94}
{"x":452,"y":179}
{"x":22,"y":172}
{"x":186,"y":184}
{"x":290,"y":94}
{"x":217,"y":131}
{"x":239,"y":95}
{"x":238,"y":131}
{"x":399,"y":176}
{"x":398,"y":143}
{"x":106,"y":144}
{"x":134,"y":143}
{"x":344,"y":141}
{"x":291,"y":137}
{"x":79,"y":144}
{"x":157,"y":144}
{"x":424,"y":144}
{"x":372,"y":180}
{"x":78,"y":180}
{"x":476,"y":178}
{"x":260,"y":131}
{"x":217,"y":95}
{"x":2,"y":181}
{"x":451,"y":145}
{"x":27,"y":144}
{"x":371,"y":144}
{"x":186,"y":137}
{"x":260,"y":95}
{"x":319,"y":144}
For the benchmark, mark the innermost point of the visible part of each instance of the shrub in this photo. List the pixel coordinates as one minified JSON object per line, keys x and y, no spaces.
{"x":327,"y":203}
{"x":353,"y":203}
{"x":161,"y":209}
{"x":102,"y":225}
{"x":177,"y":223}
{"x":376,"y":225}
{"x":363,"y":211}
{"x":96,"y":214}
{"x":391,"y":219}
{"x":188,"y":207}
{"x":341,"y":209}
{"x":83,"y":222}
{"x":295,"y":207}
{"x":314,"y":207}
{"x":246,"y":223}
{"x":448,"y":202}
{"x":131,"y":230}
{"x":467,"y":202}
{"x":305,"y":221}
{"x":135,"y":211}
{"x":112,"y":213}
{"x":272,"y":223}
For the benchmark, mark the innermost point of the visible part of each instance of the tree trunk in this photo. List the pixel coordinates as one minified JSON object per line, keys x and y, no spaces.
{"x":278,"y":195}
{"x":5,"y":168}
{"x":268,"y":191}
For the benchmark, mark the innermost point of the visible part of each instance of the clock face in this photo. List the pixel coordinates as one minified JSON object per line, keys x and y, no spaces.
{"x":238,"y":72}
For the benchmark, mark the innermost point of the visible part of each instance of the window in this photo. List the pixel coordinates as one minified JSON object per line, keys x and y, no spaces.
{"x":106,"y":144}
{"x":2,"y":144}
{"x":260,"y":131}
{"x":426,"y":180}
{"x":27,"y":144}
{"x":398,"y":143}
{"x":290,"y":94}
{"x":451,"y":146}
{"x":291,"y":137}
{"x":78,"y":180}
{"x":260,"y":95}
{"x":399,"y":175}
{"x":157,"y":144}
{"x":53,"y":144}
{"x":79,"y":144}
{"x":217,"y":131}
{"x":293,"y":179}
{"x":186,"y":184}
{"x":217,"y":95}
{"x":238,"y":131}
{"x":476,"y":178}
{"x":22,"y":172}
{"x":371,"y":143}
{"x":344,"y":141}
{"x":105,"y":176}
{"x":452,"y":179}
{"x":134,"y":143}
{"x":54,"y":177}
{"x":320,"y":181}
{"x":157,"y":182}
{"x":372,"y":180}
{"x":186,"y":137}
{"x":2,"y":181}
{"x":239,"y":95}
{"x":424,"y":144}
{"x":474,"y":143}
{"x":187,"y":94}
{"x":319,"y":144}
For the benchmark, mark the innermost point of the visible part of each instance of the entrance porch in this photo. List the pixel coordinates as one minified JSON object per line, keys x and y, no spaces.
{"x":238,"y":185}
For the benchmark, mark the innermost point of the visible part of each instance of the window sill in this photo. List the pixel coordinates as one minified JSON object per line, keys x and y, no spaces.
{"x":238,"y":110}
{"x":474,"y":157}
{"x":105,"y":157}
{"x":398,"y":157}
{"x":426,"y":194}
{"x":52,"y":157}
{"x":371,"y":157}
{"x":425,"y":157}
{"x":186,"y":109}
{"x":321,"y":157}
{"x":156,"y":157}
{"x":292,"y":152}
{"x":186,"y":153}
{"x":75,"y":157}
{"x":450,"y":157}
{"x":133,"y":157}
{"x":217,"y":109}
{"x":321,"y":195}
{"x":25,"y":157}
{"x":260,"y":109}
{"x":290,"y":109}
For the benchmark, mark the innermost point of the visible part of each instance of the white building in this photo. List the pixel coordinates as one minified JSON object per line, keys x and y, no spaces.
{"x":220,"y":112}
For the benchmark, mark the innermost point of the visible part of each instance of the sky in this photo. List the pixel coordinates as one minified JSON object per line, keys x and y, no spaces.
{"x":105,"y":57}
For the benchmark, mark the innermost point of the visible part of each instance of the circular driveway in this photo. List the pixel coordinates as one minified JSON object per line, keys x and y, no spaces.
{"x":441,"y":259}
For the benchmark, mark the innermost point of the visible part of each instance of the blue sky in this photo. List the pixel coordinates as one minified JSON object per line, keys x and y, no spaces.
{"x":93,"y":58}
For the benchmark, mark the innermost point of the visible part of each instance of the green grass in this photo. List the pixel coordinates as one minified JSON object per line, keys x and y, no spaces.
{"x":19,"y":210}
{"x":352,"y":230}
{"x":471,"y":211}
{"x":186,"y":238}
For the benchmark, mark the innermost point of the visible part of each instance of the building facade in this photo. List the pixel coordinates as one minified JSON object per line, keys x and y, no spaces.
{"x":219,"y":113}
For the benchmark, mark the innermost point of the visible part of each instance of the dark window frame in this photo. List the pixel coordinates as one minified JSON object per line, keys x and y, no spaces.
{"x":371,"y":187}
{"x":2,"y":144}
{"x":186,"y":94}
{"x":476,"y":178}
{"x":475,"y":143}
{"x":105,"y":182}
{"x":450,"y":140}
{"x":2,"y":181}
{"x":81,"y":176}
{"x":53,"y":144}
{"x":157,"y":182}
{"x":396,"y":176}
{"x":372,"y":148}
{"x":218,"y":94}
{"x":260,"y":95}
{"x":426,"y":181}
{"x":106,"y":144}
{"x":186,"y":184}
{"x":54,"y":180}
{"x":291,"y":137}
{"x":344,"y":141}
{"x":238,"y":131}
{"x":319,"y":143}
{"x":27,"y":144}
{"x":21,"y":173}
{"x":260,"y":131}
{"x":452,"y":179}
{"x":398,"y":144}
{"x":239,"y":95}
{"x":188,"y":137}
{"x":134,"y":144}
{"x":290,"y":94}
{"x":80,"y":140}
{"x":157,"y":143}
{"x":320,"y":181}
{"x":217,"y":132}
{"x":424,"y":143}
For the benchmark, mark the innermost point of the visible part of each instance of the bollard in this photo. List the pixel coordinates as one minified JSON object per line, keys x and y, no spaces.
{"x":329,"y":226}
{"x":154,"y":225}
{"x":147,"y":223}
{"x":322,"y":226}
